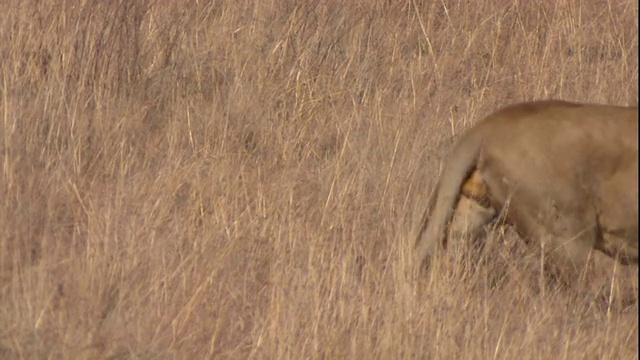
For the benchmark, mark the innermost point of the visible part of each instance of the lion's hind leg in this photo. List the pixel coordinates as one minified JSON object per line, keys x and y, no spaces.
{"x":473,"y":210}
{"x":470,"y":214}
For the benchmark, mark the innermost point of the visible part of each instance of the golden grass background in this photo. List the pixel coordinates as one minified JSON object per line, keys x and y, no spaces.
{"x":236,"y":179}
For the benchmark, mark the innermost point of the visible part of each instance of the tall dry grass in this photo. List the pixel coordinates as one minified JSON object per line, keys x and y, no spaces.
{"x":234,"y":179}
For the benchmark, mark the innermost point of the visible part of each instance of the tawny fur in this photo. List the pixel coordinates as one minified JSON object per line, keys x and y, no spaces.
{"x":559,"y":171}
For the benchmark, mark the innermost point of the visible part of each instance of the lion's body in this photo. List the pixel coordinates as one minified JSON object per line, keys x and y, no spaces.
{"x":560,"y":172}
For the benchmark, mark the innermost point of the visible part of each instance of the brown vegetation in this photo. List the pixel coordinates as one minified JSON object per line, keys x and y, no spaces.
{"x":233,"y":179}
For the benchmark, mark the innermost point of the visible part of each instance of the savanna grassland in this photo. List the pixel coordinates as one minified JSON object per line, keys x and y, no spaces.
{"x":237,"y":179}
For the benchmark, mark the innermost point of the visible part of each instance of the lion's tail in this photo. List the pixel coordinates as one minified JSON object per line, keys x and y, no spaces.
{"x":459,"y":165}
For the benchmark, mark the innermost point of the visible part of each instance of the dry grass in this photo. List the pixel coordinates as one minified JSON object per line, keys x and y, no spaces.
{"x":234,"y":179}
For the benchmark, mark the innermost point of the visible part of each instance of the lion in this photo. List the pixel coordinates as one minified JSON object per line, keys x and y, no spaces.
{"x":561,"y":173}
